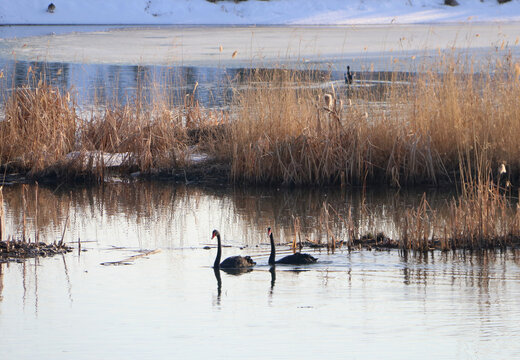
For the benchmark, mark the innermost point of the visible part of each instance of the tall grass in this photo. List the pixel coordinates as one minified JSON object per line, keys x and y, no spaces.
{"x":43,"y":134}
{"x":151,"y":137}
{"x":482,"y":218}
{"x":38,"y":130}
{"x":440,"y":125}
{"x":426,"y":131}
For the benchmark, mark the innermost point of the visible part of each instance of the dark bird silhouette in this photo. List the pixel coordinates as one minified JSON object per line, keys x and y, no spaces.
{"x":51,"y":8}
{"x":348,"y":76}
{"x":219,"y":282}
{"x":237,"y":271}
{"x":294,"y":259}
{"x":232,"y":262}
{"x":272,"y":270}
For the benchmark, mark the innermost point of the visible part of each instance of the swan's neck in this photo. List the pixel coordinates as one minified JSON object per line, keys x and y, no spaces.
{"x":273,"y":251}
{"x":219,"y":253}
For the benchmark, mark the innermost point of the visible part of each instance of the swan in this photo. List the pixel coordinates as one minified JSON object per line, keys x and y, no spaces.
{"x":232,"y":262}
{"x":294,"y":259}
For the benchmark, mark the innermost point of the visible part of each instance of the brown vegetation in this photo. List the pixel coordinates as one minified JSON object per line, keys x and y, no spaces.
{"x":38,"y":130}
{"x":42,"y":134}
{"x":415,"y":133}
{"x":428,"y":128}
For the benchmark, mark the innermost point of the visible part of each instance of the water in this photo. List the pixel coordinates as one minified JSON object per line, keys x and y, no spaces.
{"x":360,"y":305}
{"x":105,"y":84}
{"x":211,"y":87}
{"x":213,"y":82}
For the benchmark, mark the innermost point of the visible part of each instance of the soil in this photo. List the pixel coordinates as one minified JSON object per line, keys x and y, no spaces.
{"x":20,"y":250}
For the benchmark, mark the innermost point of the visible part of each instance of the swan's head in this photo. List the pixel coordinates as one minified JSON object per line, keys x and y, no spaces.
{"x":268,"y":231}
{"x":215,"y":233}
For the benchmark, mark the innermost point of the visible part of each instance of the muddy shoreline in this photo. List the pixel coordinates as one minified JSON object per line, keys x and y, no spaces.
{"x":207,"y":174}
{"x":18,"y":250}
{"x":380,"y":242}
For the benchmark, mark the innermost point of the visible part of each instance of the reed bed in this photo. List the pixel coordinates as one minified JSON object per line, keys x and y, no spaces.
{"x":429,"y":127}
{"x":415,"y":133}
{"x":484,"y":216}
{"x":43,"y":135}
{"x":483,"y":219}
{"x":38,"y":130}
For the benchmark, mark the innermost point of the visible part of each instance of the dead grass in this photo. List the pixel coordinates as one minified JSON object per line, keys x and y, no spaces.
{"x":419,"y":132}
{"x":39,"y":128}
{"x":438,"y":127}
{"x":152,"y":137}
{"x":43,"y":136}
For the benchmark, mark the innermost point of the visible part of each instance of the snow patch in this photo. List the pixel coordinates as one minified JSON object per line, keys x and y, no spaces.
{"x":294,"y":12}
{"x":95,"y":159}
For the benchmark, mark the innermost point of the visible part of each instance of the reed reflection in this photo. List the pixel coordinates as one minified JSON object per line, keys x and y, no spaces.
{"x":163,"y":214}
{"x":67,"y":277}
{"x":166,"y":215}
{"x":485,"y":271}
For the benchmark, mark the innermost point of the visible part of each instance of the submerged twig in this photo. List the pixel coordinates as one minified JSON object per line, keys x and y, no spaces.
{"x":131,"y":258}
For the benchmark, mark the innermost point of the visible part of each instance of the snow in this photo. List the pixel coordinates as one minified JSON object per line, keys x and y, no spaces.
{"x":96,"y":159}
{"x":286,"y":12}
{"x":365,"y":29}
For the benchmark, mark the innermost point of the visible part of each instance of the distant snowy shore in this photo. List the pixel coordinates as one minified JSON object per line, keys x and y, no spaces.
{"x":302,"y":12}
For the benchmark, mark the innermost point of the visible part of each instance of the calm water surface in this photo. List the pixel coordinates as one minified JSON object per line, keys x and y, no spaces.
{"x":210,"y":86}
{"x":358,"y":305}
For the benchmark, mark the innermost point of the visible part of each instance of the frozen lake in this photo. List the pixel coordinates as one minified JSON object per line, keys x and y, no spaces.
{"x":324,"y":47}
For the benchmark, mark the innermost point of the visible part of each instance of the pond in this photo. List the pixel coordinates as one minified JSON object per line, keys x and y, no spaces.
{"x":211,"y":87}
{"x":139,"y":282}
{"x":169,"y":303}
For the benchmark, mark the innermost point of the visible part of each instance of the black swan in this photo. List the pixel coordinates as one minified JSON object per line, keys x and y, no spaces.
{"x":232,"y":262}
{"x":294,"y":259}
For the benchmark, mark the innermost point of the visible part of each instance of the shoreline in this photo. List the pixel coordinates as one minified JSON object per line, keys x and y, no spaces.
{"x":254,"y":46}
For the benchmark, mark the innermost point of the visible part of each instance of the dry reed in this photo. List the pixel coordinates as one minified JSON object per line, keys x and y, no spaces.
{"x":38,"y":130}
{"x":43,"y":136}
{"x":438,"y":126}
{"x":417,"y":132}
